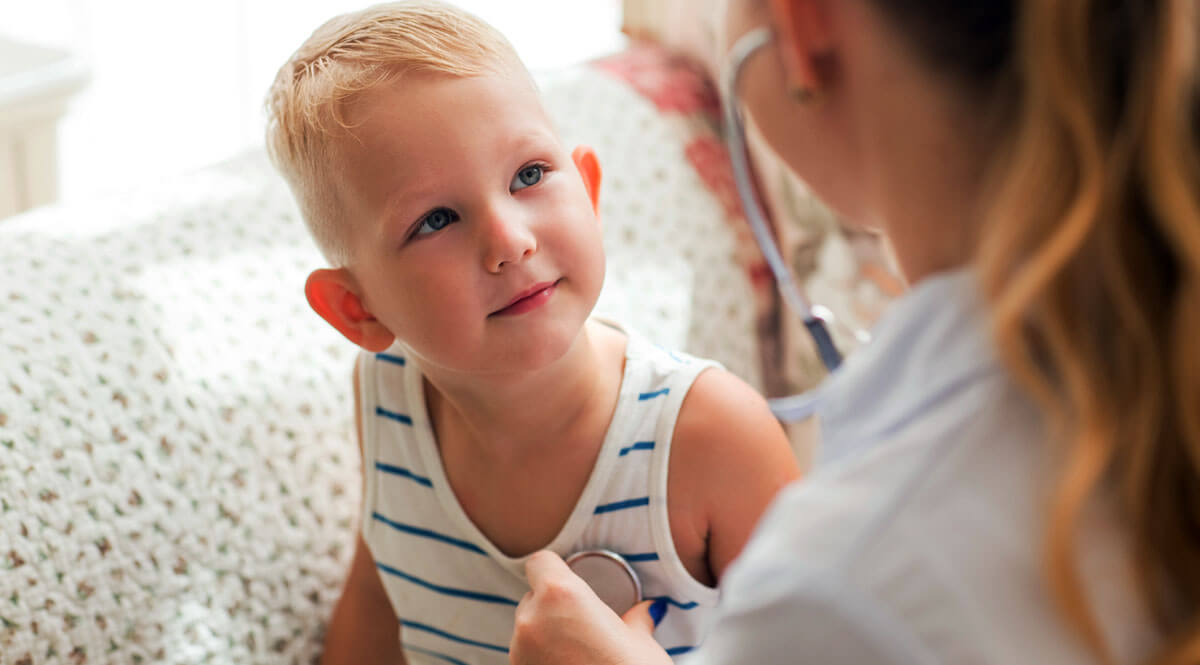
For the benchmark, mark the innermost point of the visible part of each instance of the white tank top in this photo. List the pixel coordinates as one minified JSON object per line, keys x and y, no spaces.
{"x":453,"y":591}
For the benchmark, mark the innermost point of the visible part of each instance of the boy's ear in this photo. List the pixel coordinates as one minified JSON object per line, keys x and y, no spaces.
{"x":333,"y":293}
{"x":589,"y":168}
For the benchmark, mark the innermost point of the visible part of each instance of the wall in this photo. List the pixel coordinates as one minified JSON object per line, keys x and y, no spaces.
{"x":177,"y":85}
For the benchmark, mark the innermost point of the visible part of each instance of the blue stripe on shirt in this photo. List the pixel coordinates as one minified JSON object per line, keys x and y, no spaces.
{"x":399,"y":471}
{"x":426,"y":533}
{"x":675,"y":651}
{"x":642,"y":397}
{"x":639,"y":558}
{"x":389,"y":358}
{"x":445,"y":590}
{"x":622,"y":505}
{"x":434,"y":654}
{"x":640,"y":445}
{"x":453,"y":638}
{"x":691,"y":605}
{"x":398,"y":417}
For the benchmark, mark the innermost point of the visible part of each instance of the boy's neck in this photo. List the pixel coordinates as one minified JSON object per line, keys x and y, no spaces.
{"x":509,"y":416}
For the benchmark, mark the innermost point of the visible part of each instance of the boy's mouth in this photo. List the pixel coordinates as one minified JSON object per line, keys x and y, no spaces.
{"x":528,"y":300}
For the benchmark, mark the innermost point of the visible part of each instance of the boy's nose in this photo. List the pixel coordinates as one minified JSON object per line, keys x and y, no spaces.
{"x":508,"y":240}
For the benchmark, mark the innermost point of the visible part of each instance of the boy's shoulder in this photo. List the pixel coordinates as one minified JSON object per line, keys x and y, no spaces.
{"x":722,"y":415}
{"x":716,"y":402}
{"x":729,"y":458}
{"x":723,"y":424}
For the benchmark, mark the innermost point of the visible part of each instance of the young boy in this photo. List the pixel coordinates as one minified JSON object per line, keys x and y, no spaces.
{"x":495,"y":418}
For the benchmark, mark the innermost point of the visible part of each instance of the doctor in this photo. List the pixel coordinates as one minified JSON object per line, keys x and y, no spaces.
{"x":1010,"y":472}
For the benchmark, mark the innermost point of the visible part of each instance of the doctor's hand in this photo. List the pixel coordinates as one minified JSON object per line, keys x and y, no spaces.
{"x":562,"y":622}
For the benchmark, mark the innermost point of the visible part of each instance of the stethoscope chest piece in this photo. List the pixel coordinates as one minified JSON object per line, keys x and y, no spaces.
{"x":610,"y":576}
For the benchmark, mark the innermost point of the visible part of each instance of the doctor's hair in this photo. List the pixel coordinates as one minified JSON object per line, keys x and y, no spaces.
{"x":1090,"y":260}
{"x":345,"y":58}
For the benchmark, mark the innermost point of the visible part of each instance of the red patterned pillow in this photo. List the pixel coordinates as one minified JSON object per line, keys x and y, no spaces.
{"x":681,"y":90}
{"x":848,"y":271}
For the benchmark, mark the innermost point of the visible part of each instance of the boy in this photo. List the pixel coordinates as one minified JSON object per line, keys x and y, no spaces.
{"x":494,"y":417}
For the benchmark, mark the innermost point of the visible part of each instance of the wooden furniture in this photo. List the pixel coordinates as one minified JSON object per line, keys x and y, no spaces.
{"x":36,"y":83}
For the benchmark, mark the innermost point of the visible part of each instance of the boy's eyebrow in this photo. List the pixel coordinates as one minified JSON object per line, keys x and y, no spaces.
{"x":406,"y":190}
{"x":397,"y":213}
{"x":410,"y":184}
{"x":536,"y":139}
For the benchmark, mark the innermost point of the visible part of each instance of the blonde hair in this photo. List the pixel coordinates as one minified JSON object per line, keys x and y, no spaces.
{"x":347,"y":56}
{"x":1092,"y":264}
{"x":1090,"y":258}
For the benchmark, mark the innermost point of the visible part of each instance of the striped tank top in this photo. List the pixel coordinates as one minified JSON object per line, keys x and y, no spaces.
{"x":452,"y":590}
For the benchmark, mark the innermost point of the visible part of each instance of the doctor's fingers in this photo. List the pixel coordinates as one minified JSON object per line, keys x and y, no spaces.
{"x":552,"y":581}
{"x":561,"y":621}
{"x":554,"y":591}
{"x":542,"y":632}
{"x":545,"y":567}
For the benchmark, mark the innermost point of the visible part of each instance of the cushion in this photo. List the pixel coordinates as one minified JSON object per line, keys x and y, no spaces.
{"x":178,"y":475}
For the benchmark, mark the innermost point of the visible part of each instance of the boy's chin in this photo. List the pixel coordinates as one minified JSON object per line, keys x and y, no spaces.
{"x":538,"y":352}
{"x":522,"y":356}
{"x":545,"y":346}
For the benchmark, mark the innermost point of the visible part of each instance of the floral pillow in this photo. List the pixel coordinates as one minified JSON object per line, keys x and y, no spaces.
{"x":848,"y":271}
{"x":684,"y":98}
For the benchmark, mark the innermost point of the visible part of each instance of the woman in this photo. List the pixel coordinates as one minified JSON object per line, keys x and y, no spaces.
{"x":1010,"y":472}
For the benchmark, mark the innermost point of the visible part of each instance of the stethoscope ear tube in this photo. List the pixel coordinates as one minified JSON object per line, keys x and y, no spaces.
{"x":735,"y":141}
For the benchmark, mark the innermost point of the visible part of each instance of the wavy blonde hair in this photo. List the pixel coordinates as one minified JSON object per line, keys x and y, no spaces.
{"x":347,"y":56}
{"x":1090,"y":258}
{"x":1096,"y":286}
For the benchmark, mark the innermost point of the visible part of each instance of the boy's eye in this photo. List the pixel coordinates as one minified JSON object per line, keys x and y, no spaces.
{"x":436,"y":220}
{"x":527,"y":177}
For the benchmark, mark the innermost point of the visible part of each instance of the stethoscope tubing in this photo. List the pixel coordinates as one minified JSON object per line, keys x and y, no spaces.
{"x":795,"y":407}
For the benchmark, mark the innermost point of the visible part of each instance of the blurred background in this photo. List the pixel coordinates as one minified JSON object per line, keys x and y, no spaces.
{"x":146,"y":87}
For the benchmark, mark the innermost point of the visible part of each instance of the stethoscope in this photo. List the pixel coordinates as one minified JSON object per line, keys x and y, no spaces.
{"x":608,"y":573}
{"x":610,"y":576}
{"x":816,"y":318}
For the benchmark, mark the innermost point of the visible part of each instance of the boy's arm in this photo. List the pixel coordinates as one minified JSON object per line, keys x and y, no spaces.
{"x":729,"y":456}
{"x":363,"y":628}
